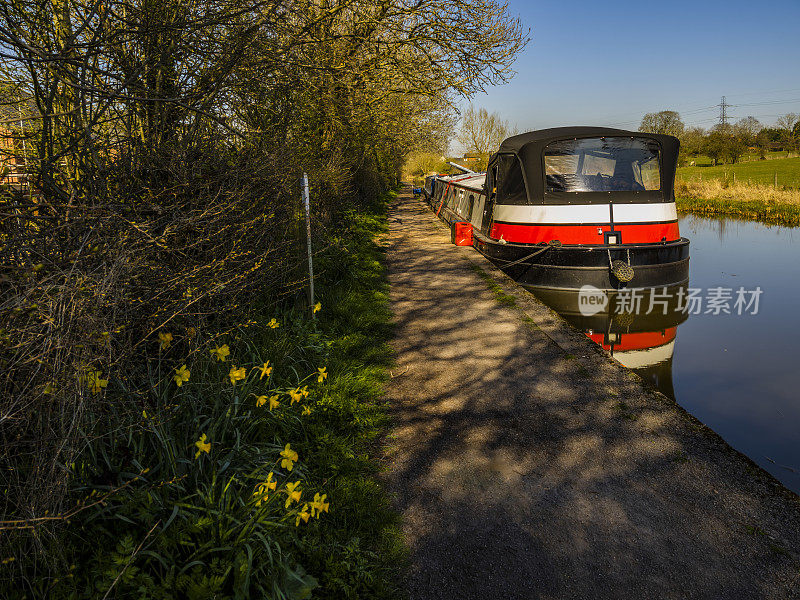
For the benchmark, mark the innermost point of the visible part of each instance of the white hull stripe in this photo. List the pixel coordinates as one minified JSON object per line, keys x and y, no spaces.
{"x":642,"y":213}
{"x":573,"y":215}
{"x":586,"y":213}
{"x":637,"y":359}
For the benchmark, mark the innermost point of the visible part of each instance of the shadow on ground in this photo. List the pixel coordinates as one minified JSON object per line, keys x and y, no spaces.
{"x":524,"y":471}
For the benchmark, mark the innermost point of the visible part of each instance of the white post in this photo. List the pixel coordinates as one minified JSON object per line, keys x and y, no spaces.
{"x":24,"y":151}
{"x":307,"y":204}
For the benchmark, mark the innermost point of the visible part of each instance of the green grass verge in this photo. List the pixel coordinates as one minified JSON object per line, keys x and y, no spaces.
{"x":772,"y":213}
{"x":761,"y":172}
{"x":175,"y":498}
{"x":497,"y":291}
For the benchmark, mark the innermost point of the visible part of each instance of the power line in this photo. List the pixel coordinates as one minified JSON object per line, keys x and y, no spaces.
{"x":699,"y":110}
{"x":677,"y":107}
{"x":768,"y":102}
{"x":724,"y":114}
{"x":766,"y":92}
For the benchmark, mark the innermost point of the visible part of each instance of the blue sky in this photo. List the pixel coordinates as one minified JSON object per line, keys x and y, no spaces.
{"x":609,"y":62}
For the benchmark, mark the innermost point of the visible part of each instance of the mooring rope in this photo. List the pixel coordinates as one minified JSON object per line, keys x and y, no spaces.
{"x":550,"y":244}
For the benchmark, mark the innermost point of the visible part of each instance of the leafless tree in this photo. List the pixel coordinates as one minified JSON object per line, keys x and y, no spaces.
{"x":482,"y":132}
{"x":748,"y":129}
{"x":665,"y":122}
{"x":788,"y":121}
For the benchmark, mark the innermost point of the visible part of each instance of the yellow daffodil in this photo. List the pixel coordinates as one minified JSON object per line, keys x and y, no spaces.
{"x":323,"y":374}
{"x":304,"y":391}
{"x":317,"y":307}
{"x":261,"y":400}
{"x":165,"y":339}
{"x":273,"y":324}
{"x":181,"y":376}
{"x":293,"y":493}
{"x":94,"y":382}
{"x":303,"y":514}
{"x":318,"y":505}
{"x":273,"y":402}
{"x":237,"y":374}
{"x":202,"y":446}
{"x":265,"y":370}
{"x":306,"y":410}
{"x":296,"y":395}
{"x":263,"y":489}
{"x":289,"y":458}
{"x":221,"y":352}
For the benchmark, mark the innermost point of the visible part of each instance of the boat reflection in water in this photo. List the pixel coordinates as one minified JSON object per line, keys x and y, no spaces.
{"x":635,"y":326}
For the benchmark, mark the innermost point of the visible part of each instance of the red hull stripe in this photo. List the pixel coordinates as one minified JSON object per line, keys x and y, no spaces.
{"x":636,"y":341}
{"x":639,"y":233}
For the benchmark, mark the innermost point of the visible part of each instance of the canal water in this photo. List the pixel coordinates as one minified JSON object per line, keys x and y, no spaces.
{"x":731,"y":359}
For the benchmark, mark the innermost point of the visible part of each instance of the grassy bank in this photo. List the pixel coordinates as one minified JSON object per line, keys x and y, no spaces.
{"x":246,"y":472}
{"x":758,"y":202}
{"x":756,"y":172}
{"x":703,"y":160}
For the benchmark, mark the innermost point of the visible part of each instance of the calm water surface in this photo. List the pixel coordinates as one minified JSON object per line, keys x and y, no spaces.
{"x":738,"y":374}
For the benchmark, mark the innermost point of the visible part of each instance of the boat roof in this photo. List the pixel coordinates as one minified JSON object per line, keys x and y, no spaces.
{"x":545,"y":136}
{"x":469,"y":180}
{"x":530,"y":146}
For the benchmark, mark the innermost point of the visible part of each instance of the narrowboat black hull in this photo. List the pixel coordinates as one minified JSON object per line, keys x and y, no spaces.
{"x":572,"y":267}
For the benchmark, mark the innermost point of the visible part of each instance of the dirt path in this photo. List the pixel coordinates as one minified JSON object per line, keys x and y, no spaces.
{"x":528,"y":465}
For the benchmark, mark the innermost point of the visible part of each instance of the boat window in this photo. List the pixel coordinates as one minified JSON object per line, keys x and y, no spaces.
{"x":510,"y":184}
{"x":611,"y":164}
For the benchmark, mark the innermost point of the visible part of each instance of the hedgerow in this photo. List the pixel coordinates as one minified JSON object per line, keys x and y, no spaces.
{"x":154,"y":215}
{"x":246,"y":471}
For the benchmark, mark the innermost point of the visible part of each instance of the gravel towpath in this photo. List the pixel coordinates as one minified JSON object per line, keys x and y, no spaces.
{"x":526,"y":464}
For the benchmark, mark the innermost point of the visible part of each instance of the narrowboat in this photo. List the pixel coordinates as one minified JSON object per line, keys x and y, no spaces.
{"x":573,"y":206}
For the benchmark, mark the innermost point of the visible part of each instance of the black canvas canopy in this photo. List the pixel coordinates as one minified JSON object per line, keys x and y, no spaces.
{"x":529,"y":148}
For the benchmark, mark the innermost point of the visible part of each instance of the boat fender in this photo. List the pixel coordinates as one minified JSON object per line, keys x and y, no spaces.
{"x":620,"y":269}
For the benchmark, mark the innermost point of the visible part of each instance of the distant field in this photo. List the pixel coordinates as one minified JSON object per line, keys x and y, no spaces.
{"x":760,"y":172}
{"x":705,"y":161}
